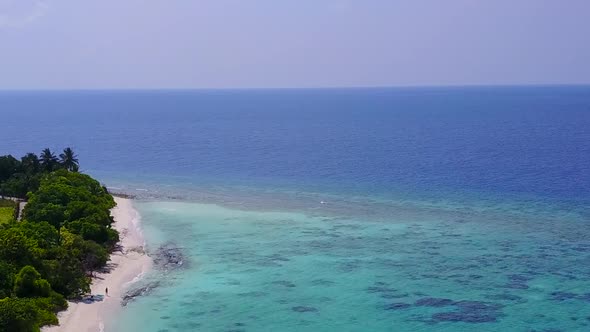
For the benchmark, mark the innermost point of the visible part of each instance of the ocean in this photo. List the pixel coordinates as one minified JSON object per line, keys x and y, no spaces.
{"x":381,"y":209}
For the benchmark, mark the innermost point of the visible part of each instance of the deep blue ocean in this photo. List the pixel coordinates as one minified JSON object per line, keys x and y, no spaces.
{"x":382,"y":209}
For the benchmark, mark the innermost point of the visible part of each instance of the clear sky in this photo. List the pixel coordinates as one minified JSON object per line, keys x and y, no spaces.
{"x":291,"y":43}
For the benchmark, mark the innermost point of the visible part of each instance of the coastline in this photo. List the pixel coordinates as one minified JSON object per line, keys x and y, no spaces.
{"x":123,"y":267}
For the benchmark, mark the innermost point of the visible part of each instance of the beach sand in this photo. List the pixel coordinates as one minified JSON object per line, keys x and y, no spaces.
{"x":125,"y":266}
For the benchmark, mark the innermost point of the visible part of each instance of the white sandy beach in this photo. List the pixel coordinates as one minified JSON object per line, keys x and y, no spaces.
{"x":125,"y":267}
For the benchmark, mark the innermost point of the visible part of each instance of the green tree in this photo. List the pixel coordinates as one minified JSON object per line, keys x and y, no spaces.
{"x":7,"y":272}
{"x":30,"y":163}
{"x":8,"y":166}
{"x":48,"y":160}
{"x":49,"y":212}
{"x":28,"y":283}
{"x":18,"y":315}
{"x":65,"y":271}
{"x":17,"y":249}
{"x":69,"y":160}
{"x":43,"y":233}
{"x":19,"y":185}
{"x":94,"y":255}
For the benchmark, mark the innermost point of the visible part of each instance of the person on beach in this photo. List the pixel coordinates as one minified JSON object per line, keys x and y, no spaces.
{"x":106,"y":291}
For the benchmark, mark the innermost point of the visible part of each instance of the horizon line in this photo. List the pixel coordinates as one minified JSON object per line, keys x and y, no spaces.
{"x":301,"y":88}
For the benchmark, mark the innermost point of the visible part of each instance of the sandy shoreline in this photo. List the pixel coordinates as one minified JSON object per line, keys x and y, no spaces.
{"x":125,"y":267}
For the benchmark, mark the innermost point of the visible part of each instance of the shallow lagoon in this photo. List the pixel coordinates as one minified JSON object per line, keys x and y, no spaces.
{"x":287,"y":271}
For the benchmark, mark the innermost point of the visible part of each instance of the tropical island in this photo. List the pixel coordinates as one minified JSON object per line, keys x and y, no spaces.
{"x":65,"y":233}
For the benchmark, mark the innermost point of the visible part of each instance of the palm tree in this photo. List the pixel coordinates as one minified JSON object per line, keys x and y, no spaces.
{"x":69,"y":160}
{"x":30,"y":163}
{"x":48,"y":160}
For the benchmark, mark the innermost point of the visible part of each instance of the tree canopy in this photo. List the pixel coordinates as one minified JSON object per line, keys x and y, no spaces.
{"x":65,"y":234}
{"x":18,"y":177}
{"x":69,"y":160}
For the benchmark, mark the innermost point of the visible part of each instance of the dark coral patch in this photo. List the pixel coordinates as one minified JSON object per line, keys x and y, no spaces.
{"x":518,"y":281}
{"x":278,"y":258}
{"x":470,"y":312}
{"x":284,"y":283}
{"x":394,"y":296}
{"x":349,"y":266}
{"x":464,"y":317}
{"x":396,"y":306}
{"x":477,"y":306}
{"x":504,"y":297}
{"x":519,"y":278}
{"x":322,"y":282}
{"x":563,"y":296}
{"x":379,"y":289}
{"x":434,"y":302}
{"x":302,"y":308}
{"x":252,"y":294}
{"x":517,"y":285}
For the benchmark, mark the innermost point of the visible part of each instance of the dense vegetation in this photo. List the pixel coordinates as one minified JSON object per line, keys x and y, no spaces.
{"x":18,"y":177}
{"x":64,"y":235}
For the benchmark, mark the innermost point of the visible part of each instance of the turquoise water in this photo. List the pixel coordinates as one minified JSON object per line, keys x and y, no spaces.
{"x":444,"y":209}
{"x":279,"y":271}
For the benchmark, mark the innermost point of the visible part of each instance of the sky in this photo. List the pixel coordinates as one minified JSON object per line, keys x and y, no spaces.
{"x":150,"y":44}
